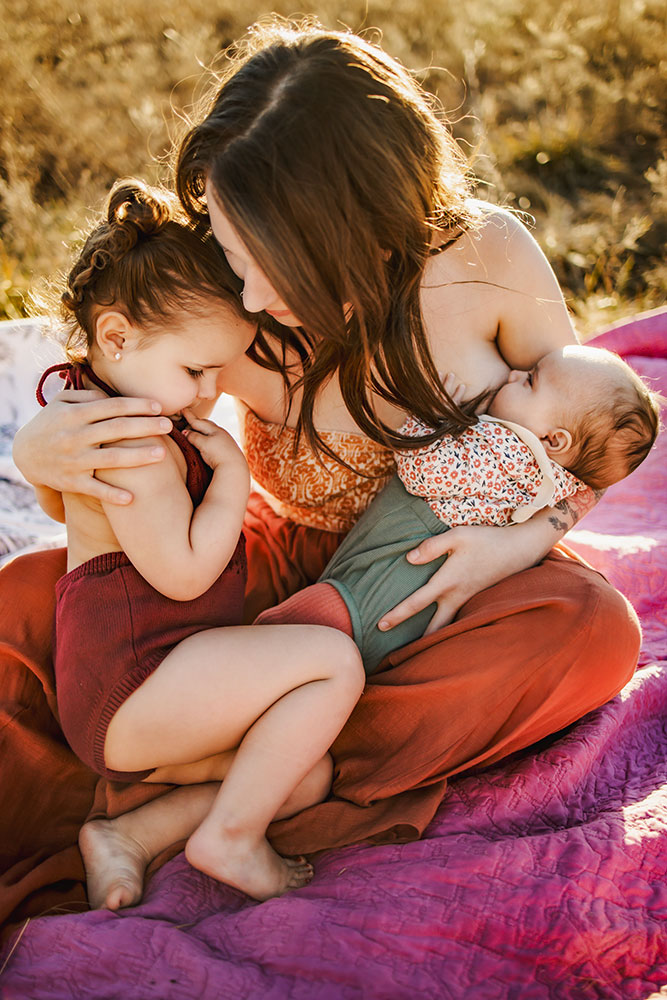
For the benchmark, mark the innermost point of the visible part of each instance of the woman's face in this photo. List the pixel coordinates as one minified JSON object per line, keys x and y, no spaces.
{"x":258,"y":294}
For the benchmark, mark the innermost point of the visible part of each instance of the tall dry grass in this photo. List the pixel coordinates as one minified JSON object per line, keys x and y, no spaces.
{"x":560,"y":104}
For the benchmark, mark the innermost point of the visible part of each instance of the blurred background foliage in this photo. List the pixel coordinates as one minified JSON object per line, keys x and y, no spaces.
{"x":559,"y":105}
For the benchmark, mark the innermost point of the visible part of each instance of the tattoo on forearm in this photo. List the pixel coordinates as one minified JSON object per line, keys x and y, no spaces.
{"x":573,"y":508}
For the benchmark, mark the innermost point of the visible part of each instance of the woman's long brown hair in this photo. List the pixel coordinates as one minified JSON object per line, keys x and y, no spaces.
{"x":336,"y":171}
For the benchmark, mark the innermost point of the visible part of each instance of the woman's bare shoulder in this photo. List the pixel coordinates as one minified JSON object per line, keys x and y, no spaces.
{"x":497,"y":280}
{"x":495,"y":242}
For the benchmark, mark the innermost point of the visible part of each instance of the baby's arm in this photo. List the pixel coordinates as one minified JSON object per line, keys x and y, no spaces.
{"x":178,"y":550}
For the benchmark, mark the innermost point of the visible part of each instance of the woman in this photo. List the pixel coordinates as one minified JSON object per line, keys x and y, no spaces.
{"x":343,"y":206}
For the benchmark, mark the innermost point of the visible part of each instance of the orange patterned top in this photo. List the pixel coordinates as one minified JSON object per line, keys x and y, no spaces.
{"x":326,"y":496}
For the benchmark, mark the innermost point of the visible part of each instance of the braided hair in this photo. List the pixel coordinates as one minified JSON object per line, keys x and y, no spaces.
{"x":146,"y":259}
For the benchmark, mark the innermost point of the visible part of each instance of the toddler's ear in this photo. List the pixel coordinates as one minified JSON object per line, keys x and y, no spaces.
{"x":557,"y":443}
{"x":114,"y":333}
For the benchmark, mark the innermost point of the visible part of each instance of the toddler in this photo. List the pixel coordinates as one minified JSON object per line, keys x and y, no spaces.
{"x":579,"y":418}
{"x":155,"y":678}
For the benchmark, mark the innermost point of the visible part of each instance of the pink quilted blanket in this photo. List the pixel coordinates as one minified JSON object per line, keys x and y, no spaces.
{"x":544,"y":878}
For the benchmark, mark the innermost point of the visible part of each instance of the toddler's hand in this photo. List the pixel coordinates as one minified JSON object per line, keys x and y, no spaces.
{"x":216,"y":445}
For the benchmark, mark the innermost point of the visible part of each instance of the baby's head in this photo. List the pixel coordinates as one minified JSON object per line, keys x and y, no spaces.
{"x":151,"y":303}
{"x":592,"y":412}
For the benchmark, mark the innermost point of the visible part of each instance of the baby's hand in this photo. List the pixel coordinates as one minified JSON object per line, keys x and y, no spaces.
{"x":217,"y":446}
{"x":455,"y":388}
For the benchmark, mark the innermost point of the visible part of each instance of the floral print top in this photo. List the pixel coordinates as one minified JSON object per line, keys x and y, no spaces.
{"x":495,"y":472}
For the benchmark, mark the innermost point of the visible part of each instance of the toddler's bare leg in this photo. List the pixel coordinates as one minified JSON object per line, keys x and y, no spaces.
{"x":209,"y":769}
{"x":117,"y":852}
{"x":281,"y":694}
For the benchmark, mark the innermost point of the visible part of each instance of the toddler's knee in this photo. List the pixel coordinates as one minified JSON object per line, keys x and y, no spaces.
{"x":348,"y":664}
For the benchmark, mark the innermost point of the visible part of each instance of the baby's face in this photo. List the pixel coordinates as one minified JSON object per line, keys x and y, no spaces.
{"x":552,"y":393}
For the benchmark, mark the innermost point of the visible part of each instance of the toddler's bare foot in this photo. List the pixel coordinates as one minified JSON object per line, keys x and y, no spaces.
{"x":246,"y":863}
{"x":115,"y":864}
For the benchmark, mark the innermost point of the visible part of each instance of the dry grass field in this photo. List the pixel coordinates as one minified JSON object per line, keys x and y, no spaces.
{"x":559,"y":104}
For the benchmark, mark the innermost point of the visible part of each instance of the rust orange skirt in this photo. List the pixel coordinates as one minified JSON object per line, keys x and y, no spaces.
{"x":522,"y":660}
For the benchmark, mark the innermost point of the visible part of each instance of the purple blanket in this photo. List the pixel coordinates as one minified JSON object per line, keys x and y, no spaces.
{"x":544,"y":878}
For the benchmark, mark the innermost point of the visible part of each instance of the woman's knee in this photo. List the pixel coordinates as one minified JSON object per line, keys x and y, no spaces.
{"x":592,"y":632}
{"x":612,"y":632}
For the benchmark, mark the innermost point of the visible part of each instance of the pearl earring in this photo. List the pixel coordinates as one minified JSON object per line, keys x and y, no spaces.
{"x":117,"y":356}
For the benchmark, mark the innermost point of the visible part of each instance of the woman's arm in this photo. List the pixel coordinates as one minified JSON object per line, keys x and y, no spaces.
{"x":480,"y":556}
{"x":179,"y":551}
{"x":61,"y":447}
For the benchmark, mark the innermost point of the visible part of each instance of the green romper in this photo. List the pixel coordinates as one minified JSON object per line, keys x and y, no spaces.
{"x":372,"y":575}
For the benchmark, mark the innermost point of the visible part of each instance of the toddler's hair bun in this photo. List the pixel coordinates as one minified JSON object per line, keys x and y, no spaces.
{"x":134,"y":210}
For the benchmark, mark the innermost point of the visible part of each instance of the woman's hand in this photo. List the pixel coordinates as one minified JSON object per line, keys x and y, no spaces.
{"x":63,"y":445}
{"x":478,"y":557}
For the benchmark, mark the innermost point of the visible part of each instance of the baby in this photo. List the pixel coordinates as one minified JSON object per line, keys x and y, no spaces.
{"x":579,"y":418}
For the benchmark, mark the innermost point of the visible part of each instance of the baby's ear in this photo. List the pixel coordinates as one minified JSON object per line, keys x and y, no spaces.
{"x":557,"y":443}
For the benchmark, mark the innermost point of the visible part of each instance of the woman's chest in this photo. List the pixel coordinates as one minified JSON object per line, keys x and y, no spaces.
{"x":461,"y":327}
{"x":265,"y":393}
{"x":460,"y":323}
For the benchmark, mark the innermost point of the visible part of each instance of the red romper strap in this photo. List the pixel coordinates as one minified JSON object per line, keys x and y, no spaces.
{"x":65,"y":372}
{"x":72,"y":375}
